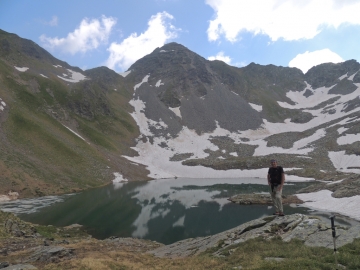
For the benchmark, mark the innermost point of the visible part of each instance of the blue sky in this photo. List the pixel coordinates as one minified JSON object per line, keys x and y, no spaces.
{"x":114,"y":33}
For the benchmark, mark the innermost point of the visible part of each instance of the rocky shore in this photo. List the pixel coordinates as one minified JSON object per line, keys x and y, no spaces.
{"x":310,"y":229}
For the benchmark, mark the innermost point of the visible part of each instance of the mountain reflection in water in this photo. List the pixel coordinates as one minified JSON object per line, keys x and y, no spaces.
{"x":165,"y":210}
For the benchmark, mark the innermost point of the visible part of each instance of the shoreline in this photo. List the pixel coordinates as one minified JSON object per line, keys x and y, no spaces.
{"x":319,"y":199}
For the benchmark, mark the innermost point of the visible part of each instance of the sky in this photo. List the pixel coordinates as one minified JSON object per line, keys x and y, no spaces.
{"x":116,"y":33}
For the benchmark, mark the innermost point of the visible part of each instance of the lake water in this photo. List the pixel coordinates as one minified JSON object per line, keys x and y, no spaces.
{"x":166,"y":210}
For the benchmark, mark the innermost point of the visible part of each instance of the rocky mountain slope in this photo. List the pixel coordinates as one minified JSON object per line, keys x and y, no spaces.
{"x":199,"y":118}
{"x":172,"y":114}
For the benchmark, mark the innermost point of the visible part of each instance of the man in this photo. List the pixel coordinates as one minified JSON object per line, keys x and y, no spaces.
{"x":276,"y":179}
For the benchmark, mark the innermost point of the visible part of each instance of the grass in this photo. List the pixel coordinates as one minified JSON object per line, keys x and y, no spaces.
{"x":248,"y":255}
{"x":41,"y":156}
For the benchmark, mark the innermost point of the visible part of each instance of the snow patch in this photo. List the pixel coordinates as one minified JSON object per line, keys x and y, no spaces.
{"x":43,"y":75}
{"x":74,"y":76}
{"x":142,"y":121}
{"x":158,"y":83}
{"x":3,"y":105}
{"x":57,"y":66}
{"x":163,"y":51}
{"x":119,"y":178}
{"x":256,"y":107}
{"x":351,"y":78}
{"x":343,"y":162}
{"x":348,"y":139}
{"x":322,"y":200}
{"x":343,"y":76}
{"x":21,"y":69}
{"x":234,"y":154}
{"x":144,"y":80}
{"x":233,"y":93}
{"x":176,"y":110}
{"x":341,"y":130}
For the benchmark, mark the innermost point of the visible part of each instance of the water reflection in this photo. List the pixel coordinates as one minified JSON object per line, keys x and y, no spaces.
{"x":165,"y":210}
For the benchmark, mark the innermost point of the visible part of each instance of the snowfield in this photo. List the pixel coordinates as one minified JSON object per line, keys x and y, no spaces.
{"x":74,"y":76}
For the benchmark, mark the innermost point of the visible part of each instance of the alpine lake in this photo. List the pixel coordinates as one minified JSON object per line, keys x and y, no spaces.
{"x":165,"y":210}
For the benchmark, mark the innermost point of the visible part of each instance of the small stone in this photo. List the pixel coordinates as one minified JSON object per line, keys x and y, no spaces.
{"x":4,"y":264}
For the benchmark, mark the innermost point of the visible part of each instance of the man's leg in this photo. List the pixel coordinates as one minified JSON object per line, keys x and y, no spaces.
{"x":278,"y":201}
{"x":273,"y":197}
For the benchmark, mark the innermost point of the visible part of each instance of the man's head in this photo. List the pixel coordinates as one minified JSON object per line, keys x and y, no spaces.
{"x":273,"y":163}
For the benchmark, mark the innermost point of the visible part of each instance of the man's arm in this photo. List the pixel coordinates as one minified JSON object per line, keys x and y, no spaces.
{"x":282,"y":181}
{"x":268,"y":177}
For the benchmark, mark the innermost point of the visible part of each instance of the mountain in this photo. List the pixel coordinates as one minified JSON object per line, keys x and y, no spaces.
{"x":172,"y":114}
{"x":202,"y":118}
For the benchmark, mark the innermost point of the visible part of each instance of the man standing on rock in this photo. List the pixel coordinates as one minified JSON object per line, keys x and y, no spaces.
{"x":276,"y":179}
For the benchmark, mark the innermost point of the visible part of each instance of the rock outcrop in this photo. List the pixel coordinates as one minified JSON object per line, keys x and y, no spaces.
{"x":262,"y":199}
{"x":310,"y":229}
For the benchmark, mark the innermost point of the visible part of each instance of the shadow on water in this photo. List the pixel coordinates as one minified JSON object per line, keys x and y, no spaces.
{"x":165,"y":211}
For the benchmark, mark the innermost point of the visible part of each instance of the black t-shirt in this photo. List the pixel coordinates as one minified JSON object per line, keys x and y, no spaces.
{"x":275,"y":174}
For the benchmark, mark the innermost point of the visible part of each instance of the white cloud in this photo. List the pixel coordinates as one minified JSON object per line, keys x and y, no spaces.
{"x":54,"y":21}
{"x":307,"y":60}
{"x":123,"y":54}
{"x":89,"y":35}
{"x":287,"y":19}
{"x":220,"y":56}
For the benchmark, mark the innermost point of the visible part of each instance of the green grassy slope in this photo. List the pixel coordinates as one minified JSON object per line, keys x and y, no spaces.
{"x":38,"y":154}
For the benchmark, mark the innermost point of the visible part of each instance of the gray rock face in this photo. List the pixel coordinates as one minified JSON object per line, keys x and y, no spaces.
{"x":203,"y":95}
{"x":328,"y":74}
{"x":311,"y":230}
{"x":344,"y":87}
{"x":49,"y":254}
